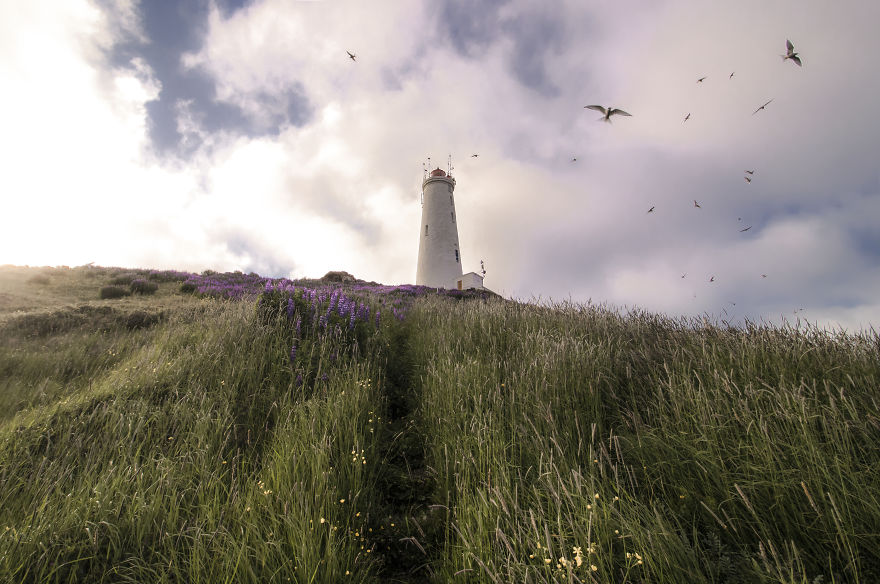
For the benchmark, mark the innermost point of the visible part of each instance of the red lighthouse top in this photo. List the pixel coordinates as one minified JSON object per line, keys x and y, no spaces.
{"x":437,"y":172}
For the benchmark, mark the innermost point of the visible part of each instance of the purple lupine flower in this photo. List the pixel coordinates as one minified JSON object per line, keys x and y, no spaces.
{"x":292,"y":354}
{"x":290,"y":307}
{"x":297,"y":326}
{"x":324,"y":377}
{"x":377,"y":318}
{"x":299,"y":380}
{"x":351,"y":320}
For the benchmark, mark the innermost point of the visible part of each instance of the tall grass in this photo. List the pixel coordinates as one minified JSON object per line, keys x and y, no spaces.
{"x":176,"y":438}
{"x":192,"y":455}
{"x":575,"y":444}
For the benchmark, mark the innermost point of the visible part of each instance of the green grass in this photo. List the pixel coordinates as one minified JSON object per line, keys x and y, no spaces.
{"x":168,"y":438}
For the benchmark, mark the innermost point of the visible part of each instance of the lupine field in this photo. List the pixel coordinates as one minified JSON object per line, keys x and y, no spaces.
{"x":161,"y":426}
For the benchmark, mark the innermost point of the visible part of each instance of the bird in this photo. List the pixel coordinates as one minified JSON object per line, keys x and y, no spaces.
{"x":607,"y":112}
{"x":712,"y":279}
{"x":746,"y":229}
{"x":731,"y":75}
{"x":651,"y":210}
{"x":683,"y":275}
{"x":701,"y":79}
{"x":351,"y":56}
{"x":475,"y":155}
{"x":687,"y":117}
{"x":749,"y":172}
{"x":790,"y":54}
{"x":762,"y":107}
{"x":574,"y":159}
{"x":763,"y":275}
{"x":696,"y":204}
{"x":748,"y":180}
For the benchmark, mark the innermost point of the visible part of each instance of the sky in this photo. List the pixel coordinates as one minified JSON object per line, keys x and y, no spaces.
{"x":239,"y":135}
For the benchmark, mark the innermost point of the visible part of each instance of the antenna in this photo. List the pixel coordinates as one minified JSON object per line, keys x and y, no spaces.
{"x":449,"y":165}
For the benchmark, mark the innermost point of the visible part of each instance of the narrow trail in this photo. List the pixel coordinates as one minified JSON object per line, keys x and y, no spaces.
{"x":410,"y":532}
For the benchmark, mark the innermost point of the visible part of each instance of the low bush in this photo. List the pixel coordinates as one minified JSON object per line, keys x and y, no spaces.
{"x":41,"y":279}
{"x":123,"y":279}
{"x":140,"y":286}
{"x":113,"y":292}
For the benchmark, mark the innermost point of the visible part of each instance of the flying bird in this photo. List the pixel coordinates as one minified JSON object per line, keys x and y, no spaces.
{"x":763,"y":275}
{"x":731,"y":75}
{"x":651,"y":210}
{"x":683,"y":275}
{"x":748,"y":180}
{"x":790,"y":54}
{"x":746,"y":229}
{"x":475,"y":155}
{"x":351,"y":56}
{"x":696,"y":204}
{"x":607,"y":112}
{"x":701,"y":79}
{"x":574,"y":159}
{"x":712,"y":279}
{"x":762,"y":107}
{"x":749,"y":172}
{"x":687,"y":117}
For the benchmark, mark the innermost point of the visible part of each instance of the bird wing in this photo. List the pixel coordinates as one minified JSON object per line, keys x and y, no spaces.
{"x":597,"y":108}
{"x":797,"y":60}
{"x":619,"y":111}
{"x":746,"y":229}
{"x":789,"y":46}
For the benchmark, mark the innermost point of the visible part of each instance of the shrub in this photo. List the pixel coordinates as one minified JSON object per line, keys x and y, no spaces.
{"x":113,"y":292}
{"x":188,"y":287}
{"x":123,"y":279}
{"x":140,"y":319}
{"x":140,"y":286}
{"x":41,"y":279}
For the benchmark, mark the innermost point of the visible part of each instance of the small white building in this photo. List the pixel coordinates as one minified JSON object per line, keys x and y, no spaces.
{"x":470,"y":280}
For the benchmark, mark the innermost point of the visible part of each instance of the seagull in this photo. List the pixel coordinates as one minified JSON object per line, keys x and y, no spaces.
{"x":687,"y":117}
{"x":746,"y":229}
{"x":696,"y":204}
{"x":574,"y":159}
{"x":731,"y":75}
{"x":712,"y":279}
{"x":790,"y":54}
{"x":475,"y":155}
{"x":763,"y":275}
{"x":748,"y":180}
{"x":749,"y":172}
{"x":683,"y":275}
{"x":651,"y":210}
{"x":701,"y":79}
{"x":607,"y":112}
{"x":351,"y":56}
{"x":762,"y":107}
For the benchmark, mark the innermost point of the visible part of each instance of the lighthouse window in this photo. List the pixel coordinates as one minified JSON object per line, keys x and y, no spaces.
{"x":426,"y":231}
{"x":456,"y":256}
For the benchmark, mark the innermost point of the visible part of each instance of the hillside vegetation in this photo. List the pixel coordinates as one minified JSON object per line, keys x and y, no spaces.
{"x":233,"y":428}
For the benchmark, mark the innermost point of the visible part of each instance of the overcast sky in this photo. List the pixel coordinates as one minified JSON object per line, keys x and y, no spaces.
{"x":233,"y":135}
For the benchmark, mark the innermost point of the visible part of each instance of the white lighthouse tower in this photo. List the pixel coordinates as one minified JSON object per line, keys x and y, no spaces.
{"x":439,"y":255}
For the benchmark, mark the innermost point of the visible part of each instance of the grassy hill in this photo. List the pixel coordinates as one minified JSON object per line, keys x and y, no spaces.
{"x":232,"y":428}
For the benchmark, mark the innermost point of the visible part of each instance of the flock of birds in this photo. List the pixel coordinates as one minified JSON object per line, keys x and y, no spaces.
{"x":608,"y":112}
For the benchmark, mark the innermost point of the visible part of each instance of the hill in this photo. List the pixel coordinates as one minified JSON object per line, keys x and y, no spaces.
{"x":233,"y":428}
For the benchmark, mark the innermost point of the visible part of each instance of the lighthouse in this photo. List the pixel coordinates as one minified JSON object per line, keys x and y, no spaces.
{"x":439,"y":255}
